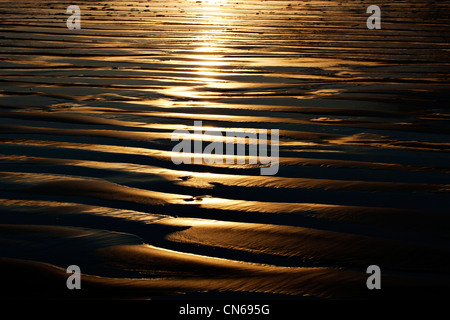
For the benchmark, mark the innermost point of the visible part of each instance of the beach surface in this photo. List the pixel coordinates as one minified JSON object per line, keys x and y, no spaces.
{"x":86,"y":170}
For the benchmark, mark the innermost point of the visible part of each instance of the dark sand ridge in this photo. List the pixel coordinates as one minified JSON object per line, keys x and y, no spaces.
{"x":169,"y":272}
{"x":166,"y":156}
{"x":94,"y":188}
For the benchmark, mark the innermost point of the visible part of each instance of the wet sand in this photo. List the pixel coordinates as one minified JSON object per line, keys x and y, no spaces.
{"x":86,"y":175}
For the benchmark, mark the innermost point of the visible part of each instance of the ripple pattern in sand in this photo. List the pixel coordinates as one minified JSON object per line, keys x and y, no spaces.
{"x":86,"y":118}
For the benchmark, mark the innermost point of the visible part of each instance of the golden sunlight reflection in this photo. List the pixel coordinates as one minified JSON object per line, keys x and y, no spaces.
{"x":206,"y":62}
{"x":209,"y":44}
{"x":209,"y":55}
{"x":206,"y":59}
{"x":212,"y":9}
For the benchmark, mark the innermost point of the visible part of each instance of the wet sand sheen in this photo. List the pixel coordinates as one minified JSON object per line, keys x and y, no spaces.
{"x":86,"y":175}
{"x":170,"y":272}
